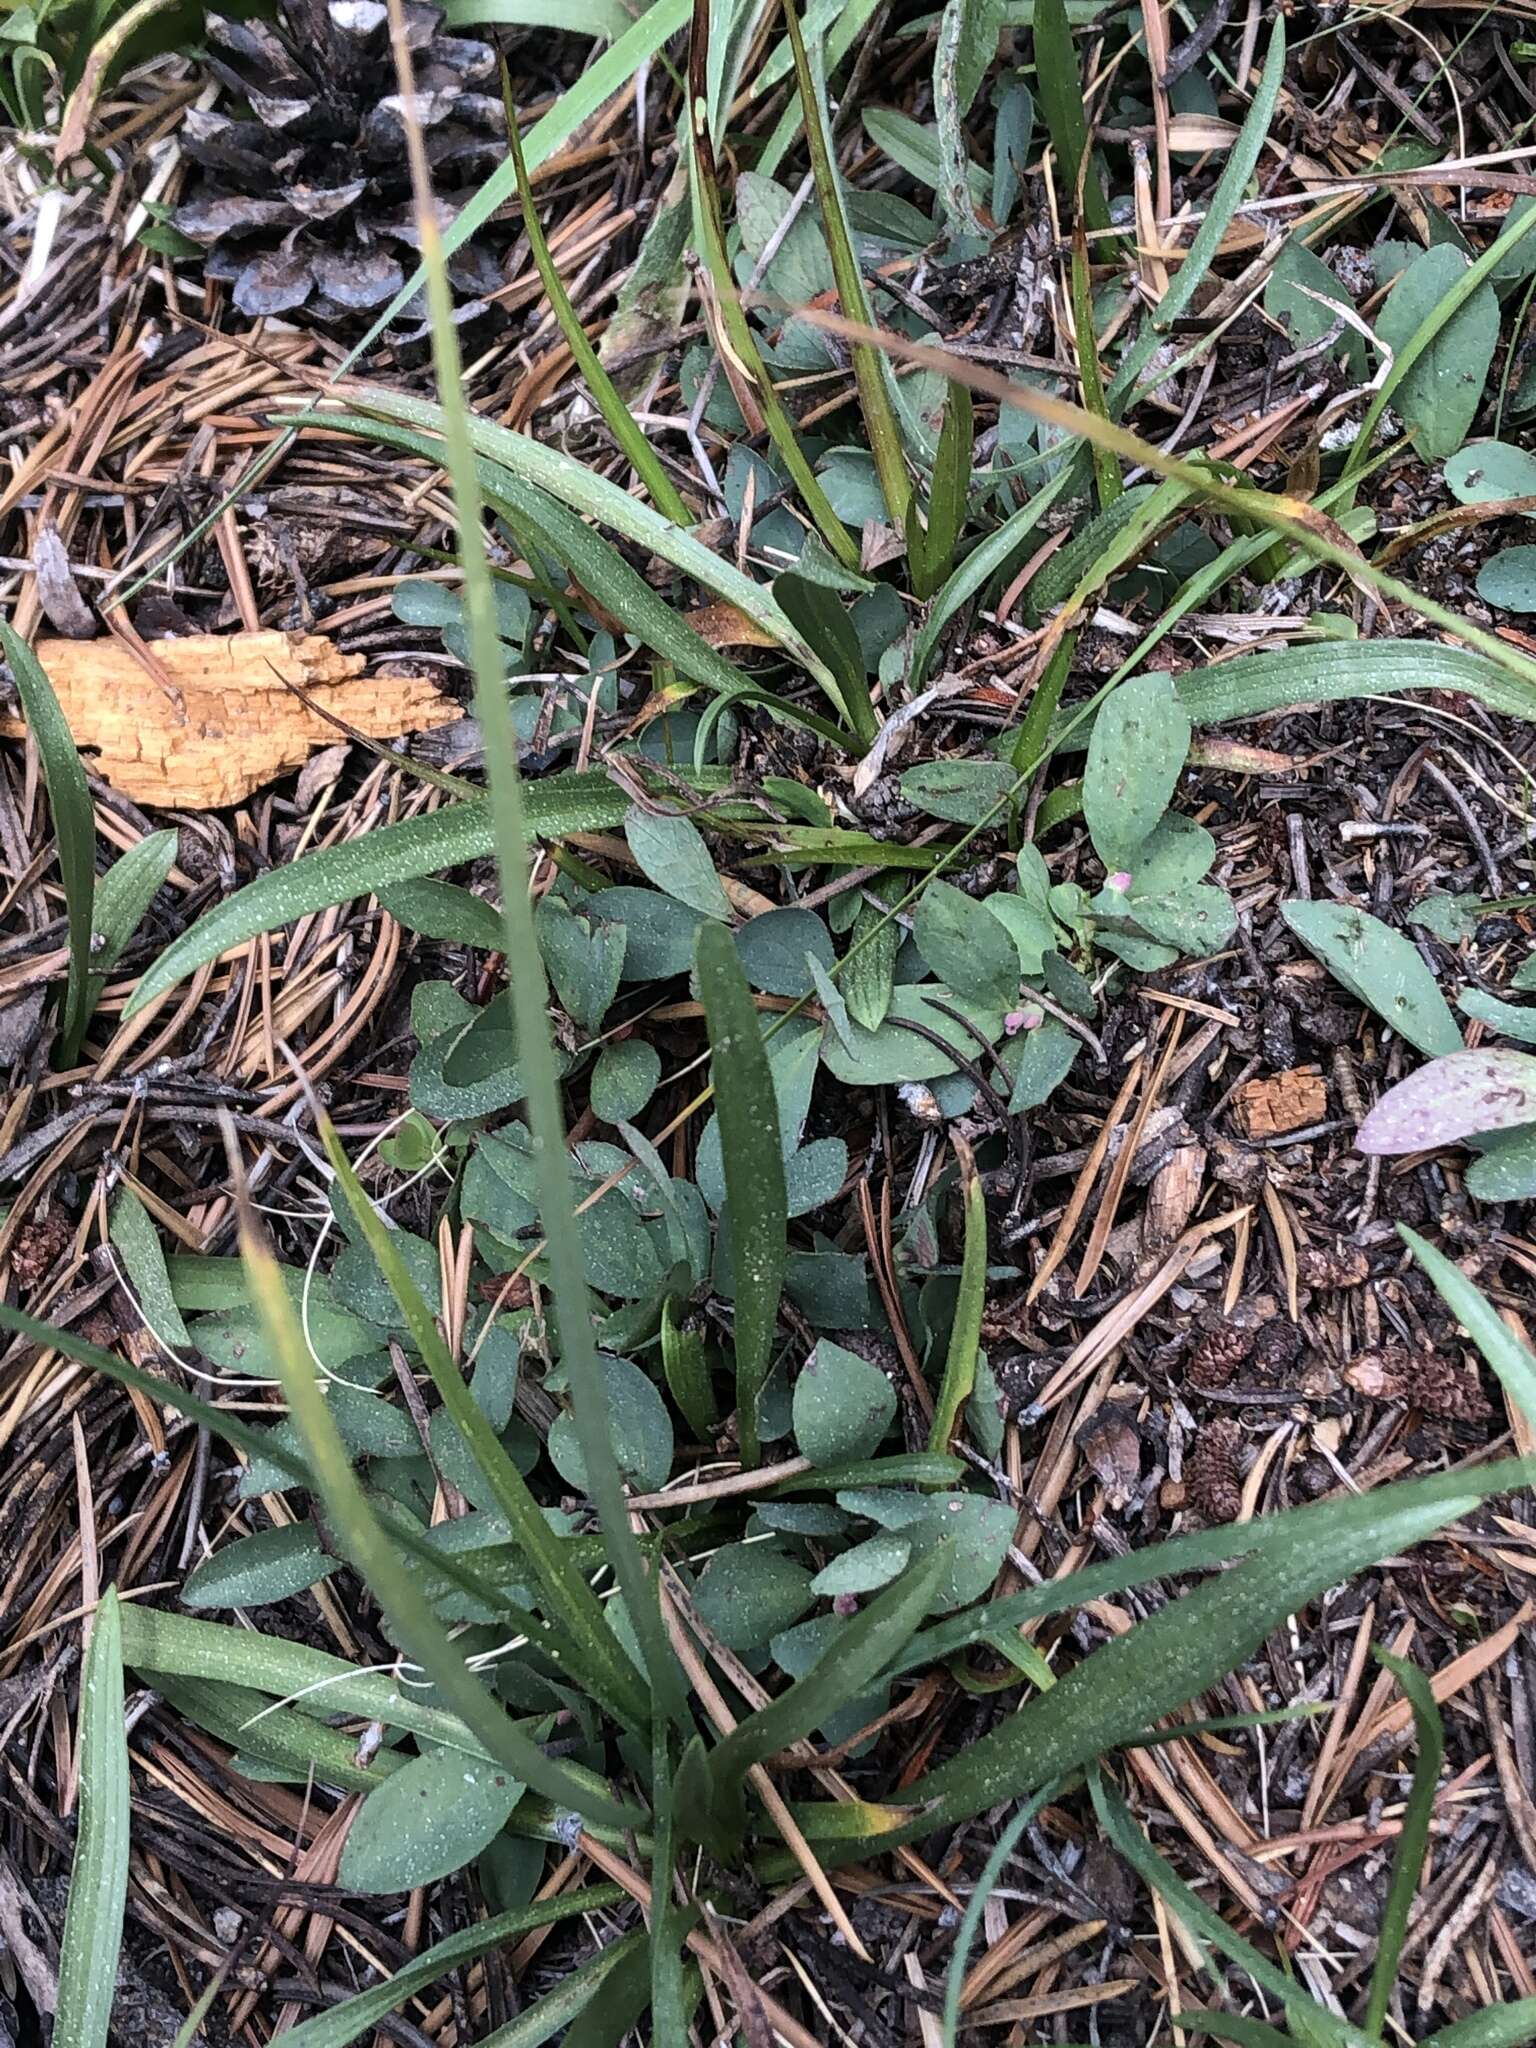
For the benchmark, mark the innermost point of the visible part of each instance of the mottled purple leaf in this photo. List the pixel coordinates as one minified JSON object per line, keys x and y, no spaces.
{"x":1489,"y":1090}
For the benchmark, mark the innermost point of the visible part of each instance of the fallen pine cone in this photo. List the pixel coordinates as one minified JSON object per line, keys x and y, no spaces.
{"x":1212,"y":1478}
{"x":1339,"y":1265}
{"x":1223,"y":1347}
{"x":1428,"y":1379}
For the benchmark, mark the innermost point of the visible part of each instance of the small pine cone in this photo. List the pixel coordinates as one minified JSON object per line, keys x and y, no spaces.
{"x":1212,"y":1478}
{"x":1275,"y":1351}
{"x":1339,"y":1265}
{"x":39,"y":1246}
{"x":1221,"y":1350}
{"x":1431,"y":1380}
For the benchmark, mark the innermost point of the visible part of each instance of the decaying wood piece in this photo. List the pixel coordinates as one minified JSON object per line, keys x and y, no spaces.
{"x":1282,"y":1102}
{"x":222,"y":723}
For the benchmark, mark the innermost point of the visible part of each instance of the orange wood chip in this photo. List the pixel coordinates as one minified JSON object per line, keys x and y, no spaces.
{"x":221,"y":723}
{"x":1283,"y":1102}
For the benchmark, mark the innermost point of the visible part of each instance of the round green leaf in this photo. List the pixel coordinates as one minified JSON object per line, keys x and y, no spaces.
{"x":772,"y":949}
{"x":427,"y":1821}
{"x":1508,"y":579}
{"x":671,"y":852}
{"x":270,"y":1565}
{"x":842,"y":1407}
{"x":863,"y":1569}
{"x":1486,"y":472}
{"x":624,"y":1080}
{"x":642,"y":1432}
{"x":749,"y":1592}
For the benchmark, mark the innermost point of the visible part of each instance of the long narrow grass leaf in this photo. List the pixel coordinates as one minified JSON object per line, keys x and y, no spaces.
{"x":74,"y":824}
{"x":1319,"y":1526}
{"x":1408,"y":1856}
{"x":970,"y":1302}
{"x":1202,"y":1920}
{"x":367,"y":1544}
{"x":512,"y":832}
{"x":758,"y":1205}
{"x":1061,"y":101}
{"x":341,"y":2024}
{"x":1496,"y":2026}
{"x":595,"y":497}
{"x":985,"y":1885}
{"x":1136,"y":1679}
{"x":98,"y":1880}
{"x":604,"y":1668}
{"x":869,"y":368}
{"x":1510,"y":1359}
{"x":626,"y":430}
{"x":586,"y":802}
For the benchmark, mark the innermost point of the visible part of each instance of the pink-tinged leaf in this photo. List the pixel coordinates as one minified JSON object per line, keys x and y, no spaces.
{"x":1450,"y":1098}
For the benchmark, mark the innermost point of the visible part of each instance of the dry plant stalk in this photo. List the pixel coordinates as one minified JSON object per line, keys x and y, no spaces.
{"x":223,"y":721}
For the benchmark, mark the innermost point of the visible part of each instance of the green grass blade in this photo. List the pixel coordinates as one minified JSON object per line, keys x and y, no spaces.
{"x":512,"y":829}
{"x":1338,"y":671}
{"x":341,"y":2024}
{"x":849,"y":1665}
{"x":869,"y":366}
{"x":990,"y":558}
{"x":1106,"y":470}
{"x":1061,"y":102}
{"x":74,"y":826}
{"x":1202,"y":1920}
{"x":1165,"y":1662}
{"x":1242,"y":160}
{"x":603,"y":1667}
{"x":1509,"y":1358}
{"x":669,"y":2011}
{"x":1325,"y":1524}
{"x":931,"y":545}
{"x":368,"y":1546}
{"x":594,"y":497}
{"x":593,"y":561}
{"x":1497,"y":2026}
{"x":986,"y":1884}
{"x":965,"y":1332}
{"x":754,"y":1167}
{"x":98,"y":1880}
{"x":1408,"y":1857}
{"x":1134,"y":1681}
{"x":177,"y":1646}
{"x":570,"y":1998}
{"x":626,"y":430}
{"x":1446,"y":311}
{"x":123,"y":895}
{"x":586,"y":802}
